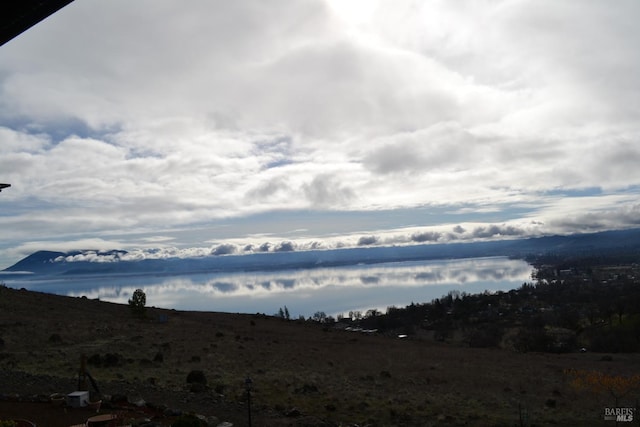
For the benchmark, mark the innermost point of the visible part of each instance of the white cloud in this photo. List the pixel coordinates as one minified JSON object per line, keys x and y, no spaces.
{"x":185,"y":117}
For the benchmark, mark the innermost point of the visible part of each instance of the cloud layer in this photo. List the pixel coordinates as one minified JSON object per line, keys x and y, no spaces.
{"x":156,"y":124}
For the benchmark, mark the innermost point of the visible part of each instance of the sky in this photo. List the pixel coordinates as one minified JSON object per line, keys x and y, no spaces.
{"x":204,"y":127}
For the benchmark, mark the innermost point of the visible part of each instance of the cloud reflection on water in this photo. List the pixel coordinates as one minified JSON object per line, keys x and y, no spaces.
{"x":333,"y":290}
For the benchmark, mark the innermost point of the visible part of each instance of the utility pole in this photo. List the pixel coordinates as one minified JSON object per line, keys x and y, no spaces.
{"x":248,"y":385}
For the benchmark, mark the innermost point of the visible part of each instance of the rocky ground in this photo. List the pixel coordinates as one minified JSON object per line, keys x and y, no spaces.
{"x":303,"y":373}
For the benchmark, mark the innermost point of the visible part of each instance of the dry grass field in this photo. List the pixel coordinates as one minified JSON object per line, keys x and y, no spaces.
{"x":303,"y":373}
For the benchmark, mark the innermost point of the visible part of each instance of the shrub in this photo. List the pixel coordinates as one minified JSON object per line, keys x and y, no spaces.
{"x":614,"y":340}
{"x":615,"y":386}
{"x":137,"y":302}
{"x":112,"y":359}
{"x":532,"y":339}
{"x":197,"y":377}
{"x":489,"y":335}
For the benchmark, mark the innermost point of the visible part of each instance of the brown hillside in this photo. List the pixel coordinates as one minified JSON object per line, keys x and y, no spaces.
{"x":303,"y":373}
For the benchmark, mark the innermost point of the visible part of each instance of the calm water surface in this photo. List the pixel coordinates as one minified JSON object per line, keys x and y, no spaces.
{"x":332,"y":290}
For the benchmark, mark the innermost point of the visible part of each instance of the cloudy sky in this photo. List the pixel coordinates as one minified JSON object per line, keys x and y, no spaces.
{"x":194,"y":127}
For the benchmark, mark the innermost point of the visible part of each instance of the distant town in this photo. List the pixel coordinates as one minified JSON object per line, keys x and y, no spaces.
{"x":572,"y":304}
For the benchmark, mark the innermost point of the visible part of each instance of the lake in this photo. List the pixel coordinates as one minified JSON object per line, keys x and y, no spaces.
{"x":335,"y":290}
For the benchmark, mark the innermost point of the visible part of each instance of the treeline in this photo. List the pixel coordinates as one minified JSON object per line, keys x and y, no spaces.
{"x":573,"y":304}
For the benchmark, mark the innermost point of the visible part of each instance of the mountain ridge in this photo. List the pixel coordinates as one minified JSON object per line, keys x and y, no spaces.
{"x":46,"y":262}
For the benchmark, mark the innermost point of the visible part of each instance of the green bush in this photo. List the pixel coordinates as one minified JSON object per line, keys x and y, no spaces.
{"x":138,"y":301}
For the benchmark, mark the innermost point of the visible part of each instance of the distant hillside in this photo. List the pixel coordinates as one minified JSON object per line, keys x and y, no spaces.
{"x":43,"y":262}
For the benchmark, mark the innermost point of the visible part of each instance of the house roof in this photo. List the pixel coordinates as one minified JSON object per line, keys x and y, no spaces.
{"x":18,"y":16}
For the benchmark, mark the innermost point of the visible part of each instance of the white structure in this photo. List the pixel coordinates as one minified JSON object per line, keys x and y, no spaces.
{"x":78,"y":399}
